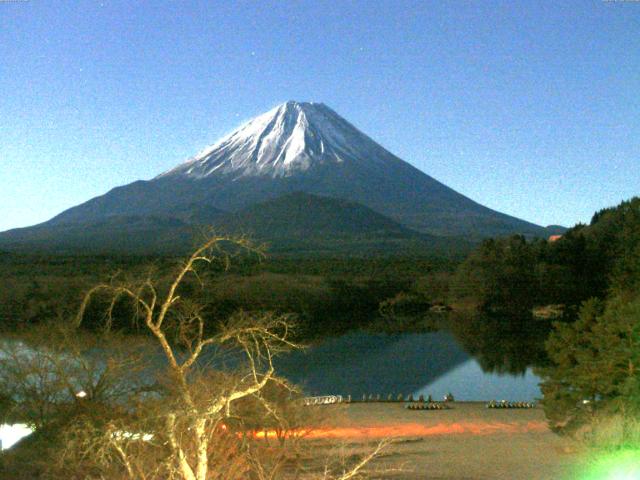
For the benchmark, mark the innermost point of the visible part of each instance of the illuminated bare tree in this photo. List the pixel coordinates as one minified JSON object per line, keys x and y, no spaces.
{"x":197,"y":406}
{"x":174,"y":401}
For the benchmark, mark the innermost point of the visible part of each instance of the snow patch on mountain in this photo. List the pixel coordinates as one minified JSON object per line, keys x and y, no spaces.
{"x":288,"y":139}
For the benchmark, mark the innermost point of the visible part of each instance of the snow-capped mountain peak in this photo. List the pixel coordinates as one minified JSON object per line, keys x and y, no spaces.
{"x":288,"y":139}
{"x":295,"y":147}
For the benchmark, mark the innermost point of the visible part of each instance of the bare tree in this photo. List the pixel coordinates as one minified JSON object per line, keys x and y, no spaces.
{"x":52,"y":372}
{"x":197,"y":404}
{"x":185,"y":404}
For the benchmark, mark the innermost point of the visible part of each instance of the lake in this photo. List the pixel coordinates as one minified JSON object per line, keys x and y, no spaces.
{"x":360,"y":363}
{"x":11,"y":434}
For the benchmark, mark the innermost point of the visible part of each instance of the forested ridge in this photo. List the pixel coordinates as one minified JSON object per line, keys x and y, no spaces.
{"x":506,"y":277}
{"x":586,"y":286}
{"x":513,"y":274}
{"x":327,"y":295}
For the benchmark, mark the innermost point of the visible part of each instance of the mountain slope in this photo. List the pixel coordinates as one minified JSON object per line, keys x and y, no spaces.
{"x":300,"y":222}
{"x":304,"y":147}
{"x":297,"y":223}
{"x":299,"y":215}
{"x":123,"y":234}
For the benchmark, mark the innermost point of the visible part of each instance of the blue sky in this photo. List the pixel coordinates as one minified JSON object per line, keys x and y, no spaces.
{"x":531,"y":108}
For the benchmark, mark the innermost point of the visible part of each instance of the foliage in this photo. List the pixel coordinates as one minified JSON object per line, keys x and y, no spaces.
{"x":594,"y":374}
{"x":40,"y":289}
{"x":45,"y":368}
{"x":176,"y":401}
{"x":513,"y":274}
{"x":404,"y":305}
{"x":498,"y":275}
{"x":612,"y":432}
{"x":595,"y":363}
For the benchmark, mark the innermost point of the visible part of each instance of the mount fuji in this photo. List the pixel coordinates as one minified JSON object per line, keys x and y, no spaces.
{"x":295,"y":147}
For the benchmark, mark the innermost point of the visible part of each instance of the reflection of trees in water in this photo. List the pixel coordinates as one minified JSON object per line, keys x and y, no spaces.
{"x":502,"y":343}
{"x":360,"y":363}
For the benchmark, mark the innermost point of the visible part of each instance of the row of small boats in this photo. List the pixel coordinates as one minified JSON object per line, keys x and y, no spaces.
{"x":428,"y":406}
{"x":507,"y":404}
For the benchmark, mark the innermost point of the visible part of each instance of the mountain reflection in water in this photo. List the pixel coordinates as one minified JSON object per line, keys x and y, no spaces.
{"x":469,"y":382}
{"x":360,"y":363}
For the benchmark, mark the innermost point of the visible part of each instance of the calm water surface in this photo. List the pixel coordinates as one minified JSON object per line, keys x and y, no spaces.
{"x":360,"y":363}
{"x":410,"y":363}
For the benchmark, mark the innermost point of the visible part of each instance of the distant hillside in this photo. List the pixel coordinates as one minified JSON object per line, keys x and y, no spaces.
{"x":135,"y":235}
{"x":299,"y":215}
{"x":297,"y":223}
{"x":512,"y":274}
{"x":301,"y":222}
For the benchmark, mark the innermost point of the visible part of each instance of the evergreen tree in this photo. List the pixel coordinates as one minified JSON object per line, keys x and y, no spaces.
{"x":596,"y":363}
{"x":499,"y":275}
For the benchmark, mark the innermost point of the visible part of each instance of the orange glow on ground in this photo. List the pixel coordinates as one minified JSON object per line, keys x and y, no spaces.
{"x":417,"y":430}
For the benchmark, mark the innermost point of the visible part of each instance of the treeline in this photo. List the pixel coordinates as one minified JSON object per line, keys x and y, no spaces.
{"x":514,"y":275}
{"x":324,"y":295}
{"x":594,"y":372}
{"x":508,"y":292}
{"x":589,"y":357}
{"x":502,"y":279}
{"x":41,"y":288}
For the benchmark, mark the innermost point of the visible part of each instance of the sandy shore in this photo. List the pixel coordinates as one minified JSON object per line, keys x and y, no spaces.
{"x":466,"y":442}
